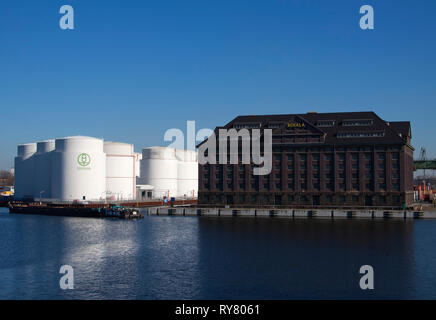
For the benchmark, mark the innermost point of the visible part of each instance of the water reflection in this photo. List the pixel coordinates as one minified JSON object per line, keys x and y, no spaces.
{"x":281,"y":259}
{"x":215,"y":258}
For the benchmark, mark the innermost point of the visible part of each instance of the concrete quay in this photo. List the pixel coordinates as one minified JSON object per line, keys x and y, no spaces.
{"x":291,"y":213}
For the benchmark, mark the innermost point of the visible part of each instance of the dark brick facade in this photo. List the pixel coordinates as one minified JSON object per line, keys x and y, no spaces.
{"x":329,"y":160}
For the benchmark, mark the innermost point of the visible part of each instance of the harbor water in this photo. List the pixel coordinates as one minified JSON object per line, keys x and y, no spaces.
{"x":176,"y":257}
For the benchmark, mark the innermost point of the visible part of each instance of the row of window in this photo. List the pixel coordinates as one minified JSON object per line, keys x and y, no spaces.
{"x":319,"y":123}
{"x":315,"y":186}
{"x":376,"y":134}
{"x":304,"y":199}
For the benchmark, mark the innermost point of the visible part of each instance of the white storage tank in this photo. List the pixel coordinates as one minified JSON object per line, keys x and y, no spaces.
{"x":159,"y":168}
{"x":24,"y":171}
{"x":120,"y":171}
{"x":78,"y":169}
{"x":187,"y":176}
{"x":42,"y":169}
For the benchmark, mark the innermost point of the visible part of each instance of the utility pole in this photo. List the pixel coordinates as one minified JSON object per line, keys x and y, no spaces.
{"x":423,"y":157}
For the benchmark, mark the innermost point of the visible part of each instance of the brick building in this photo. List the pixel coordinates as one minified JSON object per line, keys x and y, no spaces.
{"x":319,"y":159}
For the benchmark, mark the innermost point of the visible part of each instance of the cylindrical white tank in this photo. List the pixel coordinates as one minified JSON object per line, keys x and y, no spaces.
{"x":187,"y":177}
{"x":42,"y":171}
{"x":24,"y":171}
{"x":120,"y":171}
{"x":78,"y":169}
{"x":159,"y":169}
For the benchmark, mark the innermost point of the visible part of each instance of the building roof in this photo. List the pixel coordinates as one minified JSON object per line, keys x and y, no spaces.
{"x":337,"y":132}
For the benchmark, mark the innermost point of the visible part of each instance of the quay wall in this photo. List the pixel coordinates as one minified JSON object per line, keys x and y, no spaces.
{"x":291,"y":213}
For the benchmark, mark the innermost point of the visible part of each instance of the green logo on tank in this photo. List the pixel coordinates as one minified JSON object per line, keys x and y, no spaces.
{"x":84,"y":159}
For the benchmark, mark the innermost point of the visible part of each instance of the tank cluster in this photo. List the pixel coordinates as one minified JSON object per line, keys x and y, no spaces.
{"x":76,"y":168}
{"x":172,"y":172}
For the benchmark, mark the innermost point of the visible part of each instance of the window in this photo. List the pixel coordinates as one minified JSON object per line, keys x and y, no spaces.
{"x":275,"y":125}
{"x":246,"y":125}
{"x":325,"y":123}
{"x":375,"y":134}
{"x":382,"y":199}
{"x":354,"y":123}
{"x":355,"y":199}
{"x":253,"y":198}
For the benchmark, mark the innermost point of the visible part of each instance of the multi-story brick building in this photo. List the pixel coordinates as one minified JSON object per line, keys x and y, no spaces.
{"x":318,"y":159}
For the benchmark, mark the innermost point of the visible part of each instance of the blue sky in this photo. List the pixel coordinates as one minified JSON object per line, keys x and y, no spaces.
{"x":133,"y":69}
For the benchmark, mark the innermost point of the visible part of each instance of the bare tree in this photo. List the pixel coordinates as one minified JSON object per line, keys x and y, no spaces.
{"x":6,"y":178}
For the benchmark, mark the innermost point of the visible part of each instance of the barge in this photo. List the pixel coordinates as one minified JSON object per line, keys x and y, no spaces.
{"x":114,"y":211}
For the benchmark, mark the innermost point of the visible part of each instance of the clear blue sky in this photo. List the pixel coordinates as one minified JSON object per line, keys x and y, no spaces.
{"x":133,"y":69}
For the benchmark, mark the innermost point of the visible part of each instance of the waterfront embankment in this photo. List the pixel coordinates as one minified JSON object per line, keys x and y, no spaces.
{"x":291,"y":213}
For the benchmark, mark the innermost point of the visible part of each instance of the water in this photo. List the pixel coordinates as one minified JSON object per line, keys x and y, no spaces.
{"x":215,"y":258}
